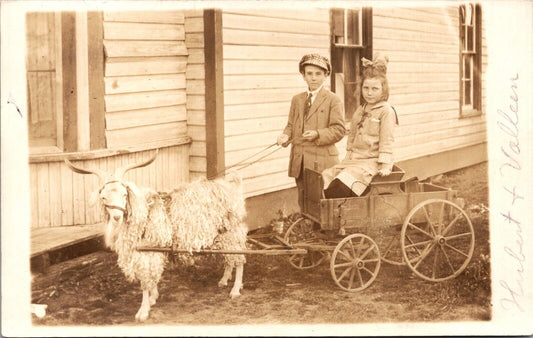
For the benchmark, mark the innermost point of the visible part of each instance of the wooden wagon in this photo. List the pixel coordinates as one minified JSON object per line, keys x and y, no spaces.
{"x":420,"y":225}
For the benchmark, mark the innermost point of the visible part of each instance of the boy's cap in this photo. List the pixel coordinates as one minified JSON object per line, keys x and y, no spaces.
{"x":315,"y":60}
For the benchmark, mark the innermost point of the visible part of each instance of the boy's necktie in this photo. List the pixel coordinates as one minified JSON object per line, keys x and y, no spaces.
{"x":307,"y":104}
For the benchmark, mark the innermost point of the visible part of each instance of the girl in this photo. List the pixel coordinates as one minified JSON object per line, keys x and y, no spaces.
{"x":369,"y":147}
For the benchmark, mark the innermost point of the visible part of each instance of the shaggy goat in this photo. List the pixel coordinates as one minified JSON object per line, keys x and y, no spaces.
{"x":201,"y":214}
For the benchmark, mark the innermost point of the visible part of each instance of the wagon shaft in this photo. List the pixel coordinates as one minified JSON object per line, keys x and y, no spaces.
{"x":266,"y":252}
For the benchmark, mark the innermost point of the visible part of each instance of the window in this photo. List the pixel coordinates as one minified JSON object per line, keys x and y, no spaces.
{"x":470,"y":63}
{"x":351,"y":39}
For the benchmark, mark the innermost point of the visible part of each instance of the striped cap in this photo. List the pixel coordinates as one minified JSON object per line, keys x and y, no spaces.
{"x":315,"y":60}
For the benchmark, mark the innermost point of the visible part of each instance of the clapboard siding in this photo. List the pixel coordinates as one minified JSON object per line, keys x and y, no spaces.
{"x":253,"y":96}
{"x":294,"y":24}
{"x":250,"y":126}
{"x":145,"y":117}
{"x":258,"y":38}
{"x":130,"y":48}
{"x":145,"y":77}
{"x":423,"y":49}
{"x":143,"y":31}
{"x":281,"y":12}
{"x":62,"y":198}
{"x":195,"y":77}
{"x":287,"y":53}
{"x":129,"y":84}
{"x":172,"y":17}
{"x":145,"y":66}
{"x":261,"y":50}
{"x":140,"y":100}
{"x":232,"y":82}
{"x":261,"y":67}
{"x":251,"y":111}
{"x":118,"y":138}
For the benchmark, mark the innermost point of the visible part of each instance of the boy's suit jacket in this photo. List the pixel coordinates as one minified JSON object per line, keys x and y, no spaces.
{"x":326,"y":115}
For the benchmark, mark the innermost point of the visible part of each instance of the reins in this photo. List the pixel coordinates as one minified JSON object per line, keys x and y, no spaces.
{"x":243,"y":164}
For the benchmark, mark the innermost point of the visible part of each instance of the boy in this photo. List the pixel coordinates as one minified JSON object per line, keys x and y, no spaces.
{"x":316,"y":123}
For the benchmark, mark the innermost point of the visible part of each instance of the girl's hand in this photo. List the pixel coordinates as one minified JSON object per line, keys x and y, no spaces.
{"x":385,"y":169}
{"x":348,"y":155}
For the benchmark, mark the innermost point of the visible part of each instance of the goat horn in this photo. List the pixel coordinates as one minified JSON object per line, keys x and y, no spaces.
{"x":100,"y":173}
{"x":119,"y":172}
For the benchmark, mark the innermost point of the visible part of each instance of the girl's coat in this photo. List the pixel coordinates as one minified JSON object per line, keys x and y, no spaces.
{"x":369,"y":143}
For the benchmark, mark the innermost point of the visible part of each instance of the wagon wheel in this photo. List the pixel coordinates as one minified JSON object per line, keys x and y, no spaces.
{"x":437,"y":240}
{"x":355,"y":262}
{"x":301,"y":231}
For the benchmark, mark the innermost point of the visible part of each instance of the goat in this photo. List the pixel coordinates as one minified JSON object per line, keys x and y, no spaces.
{"x":199,"y":215}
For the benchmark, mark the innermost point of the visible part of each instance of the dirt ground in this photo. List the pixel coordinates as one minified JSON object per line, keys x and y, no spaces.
{"x":95,"y":291}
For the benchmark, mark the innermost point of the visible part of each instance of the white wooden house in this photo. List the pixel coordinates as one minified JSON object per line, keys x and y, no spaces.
{"x":210,"y":87}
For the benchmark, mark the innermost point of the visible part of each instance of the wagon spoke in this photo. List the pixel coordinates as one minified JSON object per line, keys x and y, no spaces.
{"x":347,"y":256}
{"x":424,"y":255}
{"x":370,"y":272}
{"x":360,"y":277}
{"x":434,"y":264}
{"x":358,"y":247}
{"x":414,"y":245}
{"x":367,"y":252}
{"x":456,"y":250}
{"x":441,"y":216}
{"x":390,"y":245}
{"x":352,"y":275}
{"x":447,"y":259}
{"x":422,"y":231}
{"x":341,"y":277}
{"x":343,"y":265}
{"x":429,"y":220}
{"x":451,"y":224}
{"x":301,"y":263}
{"x":372,"y":260}
{"x":459,"y":235}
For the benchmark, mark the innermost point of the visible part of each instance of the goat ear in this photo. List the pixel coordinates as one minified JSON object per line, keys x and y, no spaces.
{"x":136,"y":207}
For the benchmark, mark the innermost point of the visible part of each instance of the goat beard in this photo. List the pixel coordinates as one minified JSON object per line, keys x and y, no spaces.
{"x":111,"y":233}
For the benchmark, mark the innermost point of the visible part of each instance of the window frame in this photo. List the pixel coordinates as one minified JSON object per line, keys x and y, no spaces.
{"x":472,"y":56}
{"x":79,"y":59}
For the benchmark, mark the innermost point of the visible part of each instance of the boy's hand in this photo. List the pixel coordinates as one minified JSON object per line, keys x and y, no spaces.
{"x":282,"y":140}
{"x":310,"y":135}
{"x":385,"y":169}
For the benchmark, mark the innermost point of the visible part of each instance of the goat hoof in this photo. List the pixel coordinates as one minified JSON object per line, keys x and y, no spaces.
{"x":234,"y":295}
{"x":222,"y":284}
{"x":141,"y":316}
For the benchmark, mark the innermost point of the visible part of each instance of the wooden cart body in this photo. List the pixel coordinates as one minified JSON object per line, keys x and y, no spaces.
{"x":386,"y":202}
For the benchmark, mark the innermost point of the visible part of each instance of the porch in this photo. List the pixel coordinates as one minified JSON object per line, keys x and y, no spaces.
{"x":51,"y":245}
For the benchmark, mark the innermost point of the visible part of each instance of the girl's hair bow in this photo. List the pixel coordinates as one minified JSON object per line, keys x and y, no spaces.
{"x":379,"y":63}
